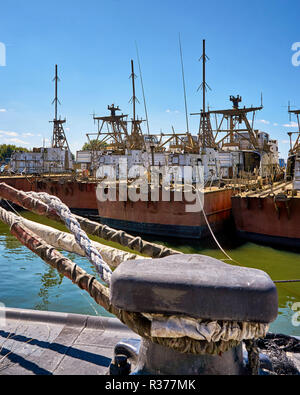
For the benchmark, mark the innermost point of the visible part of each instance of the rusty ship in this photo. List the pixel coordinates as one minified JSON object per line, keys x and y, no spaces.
{"x":229,"y":165}
{"x":272,"y":214}
{"x":51,"y":169}
{"x":230,"y":157}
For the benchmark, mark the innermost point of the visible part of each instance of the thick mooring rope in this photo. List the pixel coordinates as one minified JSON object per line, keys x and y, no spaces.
{"x":135,"y":321}
{"x":55,"y":209}
{"x":253,"y":356}
{"x":67,"y":242}
{"x":81,"y":237}
{"x":101,"y":294}
{"x":135,"y":243}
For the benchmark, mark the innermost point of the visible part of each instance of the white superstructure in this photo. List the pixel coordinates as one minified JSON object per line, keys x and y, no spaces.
{"x":42,"y":160}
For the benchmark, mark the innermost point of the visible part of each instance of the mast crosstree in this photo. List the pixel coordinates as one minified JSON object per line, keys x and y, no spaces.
{"x":59,"y":139}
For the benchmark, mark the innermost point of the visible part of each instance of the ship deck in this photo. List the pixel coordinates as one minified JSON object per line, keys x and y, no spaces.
{"x":44,"y":343}
{"x":267,"y":190}
{"x":45,"y":176}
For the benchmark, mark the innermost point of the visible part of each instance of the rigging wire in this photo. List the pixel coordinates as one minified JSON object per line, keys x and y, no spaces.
{"x":184,"y":89}
{"x":144,"y":98}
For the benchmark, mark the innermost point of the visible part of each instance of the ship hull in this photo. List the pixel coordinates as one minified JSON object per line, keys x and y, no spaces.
{"x":164,"y":219}
{"x":169,"y":219}
{"x":156,"y":229}
{"x":266,"y":239}
{"x":79,"y":196}
{"x":268,"y":221}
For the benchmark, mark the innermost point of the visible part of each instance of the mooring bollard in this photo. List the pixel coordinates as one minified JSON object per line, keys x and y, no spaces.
{"x":196,"y":299}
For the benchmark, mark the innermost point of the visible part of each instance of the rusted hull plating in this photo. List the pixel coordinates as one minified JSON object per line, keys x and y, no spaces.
{"x":155,"y":218}
{"x":267,"y":220}
{"x":78,"y":195}
{"x":169,"y":218}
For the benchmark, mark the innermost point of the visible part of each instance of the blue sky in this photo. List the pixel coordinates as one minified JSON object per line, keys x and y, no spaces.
{"x":249,"y":45}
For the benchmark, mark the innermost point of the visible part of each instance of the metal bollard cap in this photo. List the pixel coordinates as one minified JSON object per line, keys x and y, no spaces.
{"x":197,"y":286}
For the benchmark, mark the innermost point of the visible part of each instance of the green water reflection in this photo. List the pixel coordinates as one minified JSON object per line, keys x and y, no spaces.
{"x":27,"y":282}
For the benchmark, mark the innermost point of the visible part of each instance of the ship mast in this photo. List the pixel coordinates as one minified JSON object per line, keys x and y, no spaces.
{"x":134,"y":98}
{"x":136,"y":139}
{"x":144,"y":97}
{"x":206,"y":137}
{"x":295,"y":148}
{"x":59,"y":139}
{"x":116,"y":128}
{"x":235,"y":117}
{"x":113,"y":132}
{"x":204,"y":84}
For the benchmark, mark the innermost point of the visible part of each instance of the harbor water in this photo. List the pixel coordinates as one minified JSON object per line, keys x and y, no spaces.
{"x":28,"y":282}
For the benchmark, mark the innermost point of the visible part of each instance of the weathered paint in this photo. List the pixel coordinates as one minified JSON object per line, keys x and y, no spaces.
{"x":80,"y":195}
{"x":168,"y":218}
{"x":261,"y":219}
{"x":157,"y":218}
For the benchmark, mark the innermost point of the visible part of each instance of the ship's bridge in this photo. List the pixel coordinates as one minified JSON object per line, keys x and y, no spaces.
{"x":151,"y":140}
